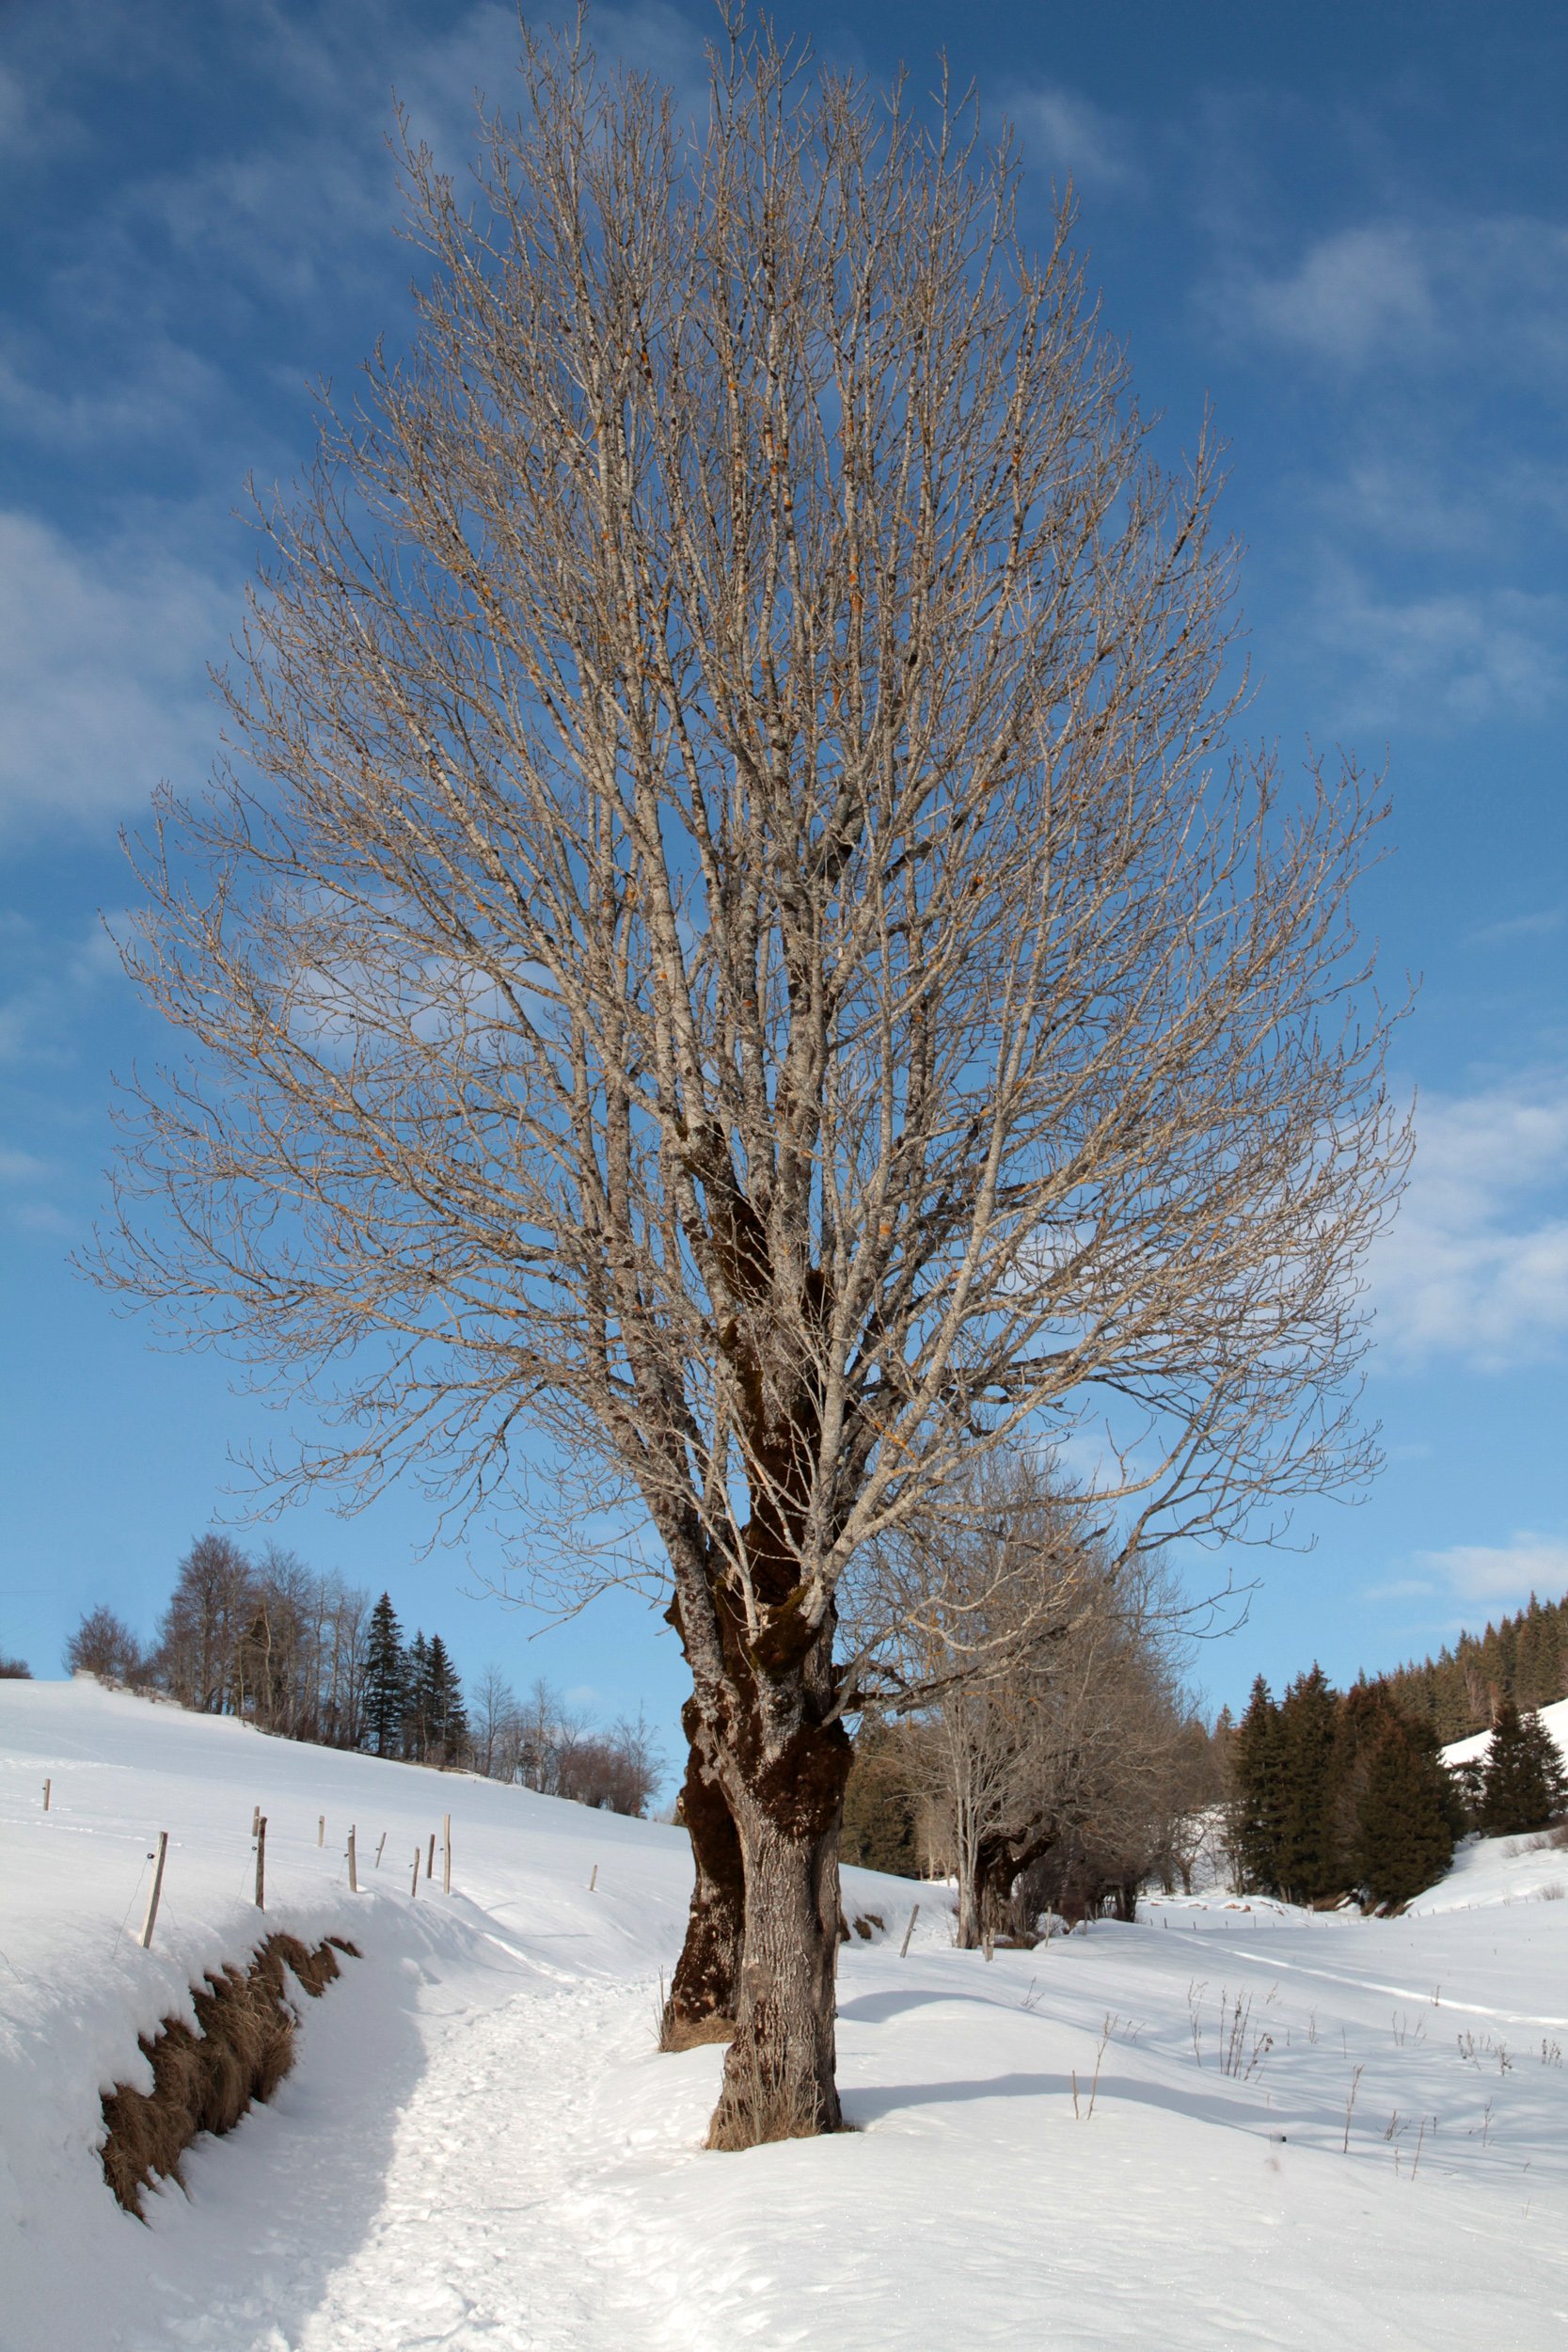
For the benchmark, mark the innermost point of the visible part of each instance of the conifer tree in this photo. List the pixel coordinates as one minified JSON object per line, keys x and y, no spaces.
{"x":1255,"y":1811}
{"x":446,"y":1721}
{"x":1404,"y":1838}
{"x":1523,"y":1784}
{"x":879,"y":1831}
{"x":417,"y":1701}
{"x":385,"y":1680}
{"x":1305,"y":1860}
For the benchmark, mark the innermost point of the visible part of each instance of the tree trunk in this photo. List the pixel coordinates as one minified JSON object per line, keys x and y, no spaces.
{"x":779,"y":2077}
{"x":706,"y":1988}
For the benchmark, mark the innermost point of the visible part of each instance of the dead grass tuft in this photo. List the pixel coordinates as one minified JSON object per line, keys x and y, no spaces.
{"x":694,"y":2033}
{"x":204,"y":2079}
{"x":754,"y":2111}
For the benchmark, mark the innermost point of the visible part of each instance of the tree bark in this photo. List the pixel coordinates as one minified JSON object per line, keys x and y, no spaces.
{"x":706,"y":1983}
{"x":779,"y":2077}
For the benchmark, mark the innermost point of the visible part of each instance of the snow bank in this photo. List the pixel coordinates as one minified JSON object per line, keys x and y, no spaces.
{"x":1554,"y":1717}
{"x":1134,"y":2135}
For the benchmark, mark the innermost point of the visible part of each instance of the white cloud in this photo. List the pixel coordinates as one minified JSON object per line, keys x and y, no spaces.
{"x":21,"y":1167}
{"x":1476,"y":1263}
{"x":1528,"y":1562}
{"x":103,"y":674}
{"x":1352,"y":296}
{"x":1068,"y":135}
{"x":1542,"y":923}
{"x":1453,"y":658}
{"x":47,"y":984}
{"x":1482,"y":294}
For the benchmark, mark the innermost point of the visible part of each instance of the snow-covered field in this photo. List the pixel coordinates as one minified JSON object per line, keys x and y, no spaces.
{"x":480,"y":2148}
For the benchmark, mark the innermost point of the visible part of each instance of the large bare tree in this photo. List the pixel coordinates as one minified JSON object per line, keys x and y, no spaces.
{"x":734,"y":943}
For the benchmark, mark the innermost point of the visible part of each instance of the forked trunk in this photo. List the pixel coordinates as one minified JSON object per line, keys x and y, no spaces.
{"x":706,"y":1988}
{"x":779,"y":2077}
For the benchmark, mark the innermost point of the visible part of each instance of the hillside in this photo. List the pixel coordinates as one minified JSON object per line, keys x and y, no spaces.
{"x":1555,"y":1718}
{"x":480,"y":2147}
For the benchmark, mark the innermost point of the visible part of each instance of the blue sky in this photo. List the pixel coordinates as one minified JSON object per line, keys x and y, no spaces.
{"x":1345,"y":227}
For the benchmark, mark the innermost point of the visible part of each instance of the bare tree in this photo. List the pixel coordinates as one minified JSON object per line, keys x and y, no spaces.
{"x":103,"y":1645}
{"x":1038,"y":1665}
{"x":204,"y":1626}
{"x":492,"y":1702}
{"x":738,"y":946}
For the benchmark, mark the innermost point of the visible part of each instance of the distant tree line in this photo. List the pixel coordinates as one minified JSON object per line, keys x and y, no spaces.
{"x":1339,"y":1794}
{"x":304,"y":1656}
{"x":1523,"y":1658}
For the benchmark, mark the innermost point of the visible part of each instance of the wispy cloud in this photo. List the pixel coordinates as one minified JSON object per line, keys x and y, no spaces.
{"x":1437,"y":661}
{"x":1066,"y":133}
{"x":47,"y":986}
{"x":1506,"y":1573}
{"x":1468,"y":294}
{"x":1542,"y":923}
{"x":1476,"y":1263}
{"x":103,"y":674}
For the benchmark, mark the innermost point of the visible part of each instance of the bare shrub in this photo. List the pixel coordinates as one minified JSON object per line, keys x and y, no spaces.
{"x":103,"y":1645}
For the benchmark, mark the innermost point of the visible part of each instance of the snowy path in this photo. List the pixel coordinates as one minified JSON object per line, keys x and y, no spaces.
{"x":487,"y":2223}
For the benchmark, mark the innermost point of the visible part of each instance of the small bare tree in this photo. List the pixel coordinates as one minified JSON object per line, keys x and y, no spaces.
{"x":103,"y":1645}
{"x":739,"y":946}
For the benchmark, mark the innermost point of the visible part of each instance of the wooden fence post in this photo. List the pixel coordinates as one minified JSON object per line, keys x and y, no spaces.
{"x":151,"y":1921}
{"x":255,"y":1820}
{"x":415,"y":1888}
{"x":260,"y":1862}
{"x":380,"y":1850}
{"x":430,"y":1864}
{"x":446,"y":1853}
{"x":353,"y":1867}
{"x":904,"y":1947}
{"x":594,"y":1879}
{"x":321,"y":1829}
{"x":47,"y":1785}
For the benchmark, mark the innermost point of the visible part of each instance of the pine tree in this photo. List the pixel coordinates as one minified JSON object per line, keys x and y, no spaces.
{"x":1522,"y":1783}
{"x":1255,"y":1812}
{"x":417,"y":1701}
{"x":879,"y":1825}
{"x":386,"y":1681}
{"x":1306,"y":1861}
{"x":1404,"y":1830}
{"x":446,"y":1717}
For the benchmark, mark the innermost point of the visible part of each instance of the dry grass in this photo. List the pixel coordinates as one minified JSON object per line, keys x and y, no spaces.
{"x":204,"y":2079}
{"x":694,"y":2033}
{"x":752,"y":2112}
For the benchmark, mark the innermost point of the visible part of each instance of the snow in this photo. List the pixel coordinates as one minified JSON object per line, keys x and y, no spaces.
{"x":479,"y":2146}
{"x":1554,"y":1717}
